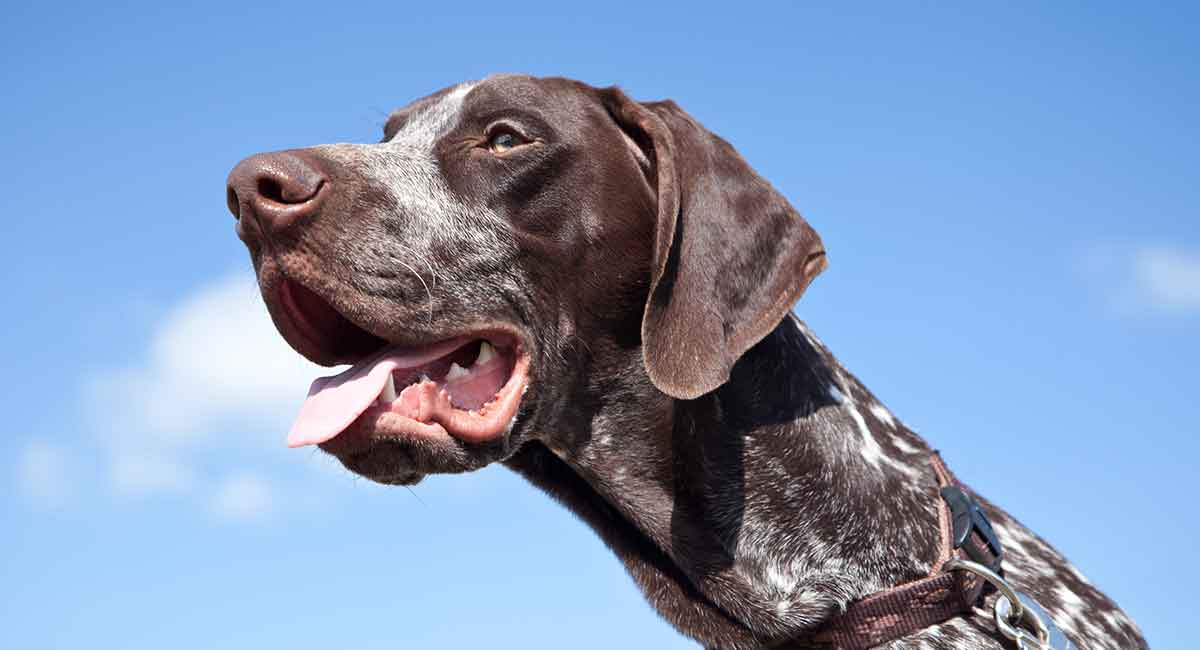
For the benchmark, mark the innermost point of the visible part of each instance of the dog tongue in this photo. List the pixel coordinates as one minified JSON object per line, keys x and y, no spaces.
{"x":335,"y":402}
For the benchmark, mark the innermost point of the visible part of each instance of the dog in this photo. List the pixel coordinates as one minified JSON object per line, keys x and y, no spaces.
{"x":597,"y":293}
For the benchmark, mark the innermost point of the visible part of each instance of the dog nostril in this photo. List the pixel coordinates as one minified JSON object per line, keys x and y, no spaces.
{"x":270,"y":189}
{"x":286,"y":192}
{"x":274,"y":190}
{"x":235,"y":206}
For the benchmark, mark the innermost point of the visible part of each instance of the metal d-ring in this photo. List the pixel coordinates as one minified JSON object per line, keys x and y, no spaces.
{"x":1018,"y":614}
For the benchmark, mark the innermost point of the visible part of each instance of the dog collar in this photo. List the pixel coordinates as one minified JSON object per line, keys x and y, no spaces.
{"x":951,"y":589}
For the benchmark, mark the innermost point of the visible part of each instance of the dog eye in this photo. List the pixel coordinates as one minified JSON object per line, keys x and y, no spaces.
{"x":505,"y":139}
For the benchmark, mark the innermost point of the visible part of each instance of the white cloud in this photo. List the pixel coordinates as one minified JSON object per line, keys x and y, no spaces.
{"x":242,"y":497}
{"x":1168,"y":278}
{"x":1135,"y":279}
{"x":216,"y":380}
{"x":46,"y":474}
{"x":142,"y":473}
{"x":215,"y":357}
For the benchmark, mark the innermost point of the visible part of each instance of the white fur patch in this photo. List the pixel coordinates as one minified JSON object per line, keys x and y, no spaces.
{"x":883,"y":415}
{"x":836,"y":394}
{"x":408,"y":168}
{"x":904,"y":446}
{"x":780,"y":581}
{"x":870,"y":449}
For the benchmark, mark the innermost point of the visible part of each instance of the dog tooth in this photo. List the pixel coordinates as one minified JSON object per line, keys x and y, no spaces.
{"x":389,"y":390}
{"x":486,"y":352}
{"x":424,"y":378}
{"x":455,"y":372}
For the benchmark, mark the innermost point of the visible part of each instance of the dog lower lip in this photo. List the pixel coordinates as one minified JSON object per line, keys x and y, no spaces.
{"x":466,"y":387}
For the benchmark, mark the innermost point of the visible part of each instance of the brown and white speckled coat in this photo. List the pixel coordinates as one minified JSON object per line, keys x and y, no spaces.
{"x":750,"y":484}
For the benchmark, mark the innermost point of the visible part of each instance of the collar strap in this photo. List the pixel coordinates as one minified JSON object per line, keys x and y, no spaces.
{"x":902,"y":610}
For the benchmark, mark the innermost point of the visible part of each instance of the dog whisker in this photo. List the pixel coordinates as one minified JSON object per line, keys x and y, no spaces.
{"x":423,"y":284}
{"x":415,"y":496}
{"x":432,"y":272}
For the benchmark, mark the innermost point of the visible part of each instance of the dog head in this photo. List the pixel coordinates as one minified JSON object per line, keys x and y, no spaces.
{"x":510,"y":253}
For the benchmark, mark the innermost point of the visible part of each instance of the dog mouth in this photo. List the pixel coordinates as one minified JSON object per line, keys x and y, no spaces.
{"x":467,"y":386}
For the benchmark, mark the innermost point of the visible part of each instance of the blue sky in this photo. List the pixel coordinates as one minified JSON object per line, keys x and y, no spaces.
{"x":1008,"y":196}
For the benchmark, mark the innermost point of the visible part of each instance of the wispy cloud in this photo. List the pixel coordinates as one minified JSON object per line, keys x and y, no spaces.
{"x":216,"y":378}
{"x":214,"y":358}
{"x":1168,"y":278}
{"x":242,"y":497}
{"x":137,"y":473}
{"x":1159,"y":278}
{"x":46,"y":474}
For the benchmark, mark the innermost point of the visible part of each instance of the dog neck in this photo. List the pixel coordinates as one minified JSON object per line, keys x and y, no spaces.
{"x":754,"y":512}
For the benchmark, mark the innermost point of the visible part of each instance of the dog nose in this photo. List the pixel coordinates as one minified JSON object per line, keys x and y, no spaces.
{"x":274,"y":189}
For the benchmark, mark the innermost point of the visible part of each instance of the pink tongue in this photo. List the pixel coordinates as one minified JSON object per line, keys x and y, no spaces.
{"x":335,"y":402}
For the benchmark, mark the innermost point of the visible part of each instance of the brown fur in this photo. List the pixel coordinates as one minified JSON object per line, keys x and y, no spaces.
{"x":750,"y":484}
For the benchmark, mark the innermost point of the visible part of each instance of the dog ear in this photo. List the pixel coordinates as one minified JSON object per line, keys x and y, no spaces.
{"x":731,"y":255}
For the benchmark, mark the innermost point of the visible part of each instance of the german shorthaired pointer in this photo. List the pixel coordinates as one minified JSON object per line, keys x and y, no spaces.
{"x":596,"y":292}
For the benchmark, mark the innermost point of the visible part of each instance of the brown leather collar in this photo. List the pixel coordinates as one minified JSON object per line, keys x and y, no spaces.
{"x":943,"y":594}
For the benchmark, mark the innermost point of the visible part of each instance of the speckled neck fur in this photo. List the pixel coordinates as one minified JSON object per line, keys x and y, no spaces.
{"x":753,"y":514}
{"x":751,"y":485}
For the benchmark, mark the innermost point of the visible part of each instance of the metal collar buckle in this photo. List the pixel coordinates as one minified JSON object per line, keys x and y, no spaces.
{"x":966,"y":516}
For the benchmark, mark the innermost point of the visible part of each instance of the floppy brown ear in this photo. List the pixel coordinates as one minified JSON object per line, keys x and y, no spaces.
{"x":731,"y":255}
